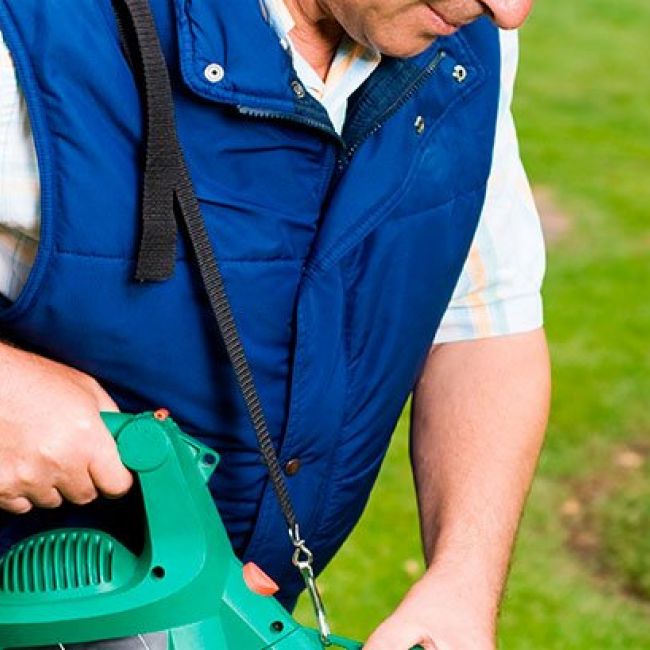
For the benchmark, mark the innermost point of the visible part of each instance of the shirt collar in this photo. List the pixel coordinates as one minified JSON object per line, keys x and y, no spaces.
{"x":353,"y":63}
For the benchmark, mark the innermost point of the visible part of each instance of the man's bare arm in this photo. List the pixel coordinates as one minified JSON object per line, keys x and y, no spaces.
{"x":479,"y":416}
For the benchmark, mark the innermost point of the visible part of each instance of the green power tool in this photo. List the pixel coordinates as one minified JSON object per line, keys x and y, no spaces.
{"x":78,"y":585}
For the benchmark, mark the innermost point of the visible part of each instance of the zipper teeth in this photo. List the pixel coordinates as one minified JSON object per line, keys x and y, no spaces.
{"x":256,"y":112}
{"x":426,"y":73}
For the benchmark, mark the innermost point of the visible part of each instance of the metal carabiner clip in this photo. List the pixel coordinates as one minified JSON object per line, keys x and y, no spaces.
{"x":303,"y":559}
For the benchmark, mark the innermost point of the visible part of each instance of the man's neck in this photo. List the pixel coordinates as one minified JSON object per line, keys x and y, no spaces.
{"x":316,"y":34}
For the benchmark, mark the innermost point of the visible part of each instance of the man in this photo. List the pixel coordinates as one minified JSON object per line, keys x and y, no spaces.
{"x":340,"y":151}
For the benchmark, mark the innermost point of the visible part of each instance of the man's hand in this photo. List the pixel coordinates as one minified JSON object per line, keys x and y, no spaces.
{"x":53,"y":443}
{"x":478,"y":420}
{"x":436,"y":614}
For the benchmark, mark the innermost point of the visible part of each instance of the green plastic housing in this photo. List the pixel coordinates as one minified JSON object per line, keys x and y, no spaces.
{"x":82,"y":585}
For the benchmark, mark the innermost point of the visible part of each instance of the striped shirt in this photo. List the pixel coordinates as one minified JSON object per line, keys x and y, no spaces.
{"x":19,"y":184}
{"x":351,"y":66}
{"x":499,"y":289}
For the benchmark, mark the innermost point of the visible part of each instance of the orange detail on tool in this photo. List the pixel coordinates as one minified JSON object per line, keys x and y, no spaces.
{"x":161,"y":414}
{"x":258,"y":582}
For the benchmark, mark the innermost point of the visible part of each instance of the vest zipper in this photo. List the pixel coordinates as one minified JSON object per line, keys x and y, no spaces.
{"x":415,"y":86}
{"x":298,"y":119}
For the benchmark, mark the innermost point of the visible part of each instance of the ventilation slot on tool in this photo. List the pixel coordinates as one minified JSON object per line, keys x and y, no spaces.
{"x":57,"y":561}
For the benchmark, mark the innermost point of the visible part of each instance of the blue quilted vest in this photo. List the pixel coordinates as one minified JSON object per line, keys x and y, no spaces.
{"x":339,"y":254}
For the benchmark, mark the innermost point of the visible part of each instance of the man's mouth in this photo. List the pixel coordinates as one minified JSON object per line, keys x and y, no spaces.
{"x":442,"y":26}
{"x":449,"y":25}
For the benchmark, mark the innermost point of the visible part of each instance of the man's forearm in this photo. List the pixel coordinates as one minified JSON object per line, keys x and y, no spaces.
{"x":479,"y":415}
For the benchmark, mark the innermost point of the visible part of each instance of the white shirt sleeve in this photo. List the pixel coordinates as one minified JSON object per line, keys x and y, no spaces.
{"x":499,"y":290}
{"x":20,"y":215}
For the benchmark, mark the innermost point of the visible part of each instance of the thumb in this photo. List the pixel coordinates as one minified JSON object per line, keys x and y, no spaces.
{"x":105,"y":402}
{"x":394,"y":634}
{"x":107,"y":471}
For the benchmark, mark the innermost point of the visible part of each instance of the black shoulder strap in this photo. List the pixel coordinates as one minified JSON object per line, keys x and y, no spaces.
{"x":167,"y":185}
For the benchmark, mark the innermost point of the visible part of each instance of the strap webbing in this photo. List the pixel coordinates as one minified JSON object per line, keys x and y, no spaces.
{"x":167,"y":185}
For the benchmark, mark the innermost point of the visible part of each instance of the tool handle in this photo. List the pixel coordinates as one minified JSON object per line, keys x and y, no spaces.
{"x":114,"y":421}
{"x":143,"y":447}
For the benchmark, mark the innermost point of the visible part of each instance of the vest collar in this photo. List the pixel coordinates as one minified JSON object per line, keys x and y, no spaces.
{"x":236,"y":35}
{"x":258,"y":75}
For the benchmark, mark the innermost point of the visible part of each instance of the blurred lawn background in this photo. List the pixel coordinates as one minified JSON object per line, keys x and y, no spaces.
{"x":581,"y":574}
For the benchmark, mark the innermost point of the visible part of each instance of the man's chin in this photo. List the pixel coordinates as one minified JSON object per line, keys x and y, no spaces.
{"x":405,"y":50}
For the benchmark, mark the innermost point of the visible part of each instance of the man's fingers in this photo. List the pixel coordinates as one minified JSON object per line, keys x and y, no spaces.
{"x":400,"y":636}
{"x":18,"y":506}
{"x":108,"y":473}
{"x":398,"y":643}
{"x":78,"y":489}
{"x":47,"y":498}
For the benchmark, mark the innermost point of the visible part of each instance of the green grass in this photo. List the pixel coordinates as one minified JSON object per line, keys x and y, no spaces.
{"x":584,"y":125}
{"x":621,"y":519}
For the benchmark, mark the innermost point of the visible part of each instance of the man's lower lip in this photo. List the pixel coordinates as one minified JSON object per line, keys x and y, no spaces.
{"x":440,"y":25}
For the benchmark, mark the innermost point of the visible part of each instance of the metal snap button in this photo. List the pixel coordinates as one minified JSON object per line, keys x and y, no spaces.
{"x":419,"y":125}
{"x":459,"y":73}
{"x":298,"y":89}
{"x":292,"y":467}
{"x":214,"y":73}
